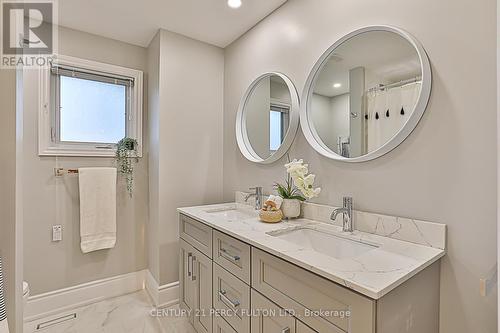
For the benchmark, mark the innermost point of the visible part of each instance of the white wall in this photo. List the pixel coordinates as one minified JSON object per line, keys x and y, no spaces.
{"x":188,"y":150}
{"x":439,"y":173}
{"x":48,"y":201}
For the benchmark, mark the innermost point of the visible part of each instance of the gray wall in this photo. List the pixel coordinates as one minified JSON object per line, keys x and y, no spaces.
{"x":48,"y":201}
{"x":8,"y":191}
{"x":152,"y":227}
{"x":186,"y":147}
{"x":257,"y":117}
{"x":331,"y":118}
{"x":444,"y":172}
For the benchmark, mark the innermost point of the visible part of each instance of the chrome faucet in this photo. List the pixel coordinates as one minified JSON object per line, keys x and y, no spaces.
{"x":257,"y":195}
{"x":346,"y":210}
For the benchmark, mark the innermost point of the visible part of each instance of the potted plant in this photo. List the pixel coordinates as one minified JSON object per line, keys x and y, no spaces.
{"x":298,"y":187}
{"x":126,"y":156}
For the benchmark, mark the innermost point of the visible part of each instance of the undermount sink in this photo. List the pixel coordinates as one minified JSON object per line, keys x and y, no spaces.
{"x":232,"y":213}
{"x":325,"y":243}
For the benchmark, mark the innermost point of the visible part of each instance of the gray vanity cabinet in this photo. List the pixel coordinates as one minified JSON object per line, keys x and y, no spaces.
{"x":248,"y":289}
{"x":195,"y":270}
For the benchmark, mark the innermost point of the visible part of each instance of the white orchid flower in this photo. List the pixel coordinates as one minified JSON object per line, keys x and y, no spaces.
{"x":297,"y":169}
{"x":298,"y":172}
{"x":305,"y":185}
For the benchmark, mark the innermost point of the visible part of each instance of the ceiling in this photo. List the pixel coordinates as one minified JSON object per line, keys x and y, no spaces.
{"x":387,"y":57}
{"x":136,"y":22}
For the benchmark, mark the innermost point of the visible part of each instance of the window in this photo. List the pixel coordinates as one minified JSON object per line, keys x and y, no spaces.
{"x":89,"y":107}
{"x":278,"y":125}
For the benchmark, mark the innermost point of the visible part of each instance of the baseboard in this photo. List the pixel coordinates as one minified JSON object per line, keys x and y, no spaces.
{"x":169,"y":295}
{"x":163,"y":296}
{"x":47,"y":304}
{"x":152,"y":287}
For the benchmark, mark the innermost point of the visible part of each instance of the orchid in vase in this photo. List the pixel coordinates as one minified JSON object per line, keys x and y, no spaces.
{"x":299,"y":186}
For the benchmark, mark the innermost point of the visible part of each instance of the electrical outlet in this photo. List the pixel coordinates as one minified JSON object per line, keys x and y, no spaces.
{"x":57,"y":233}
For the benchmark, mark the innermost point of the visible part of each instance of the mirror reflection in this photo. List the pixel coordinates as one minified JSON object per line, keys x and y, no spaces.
{"x":365,"y":92}
{"x":267,"y":115}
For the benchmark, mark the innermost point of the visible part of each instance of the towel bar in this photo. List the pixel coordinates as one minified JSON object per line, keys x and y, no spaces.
{"x":58,"y":172}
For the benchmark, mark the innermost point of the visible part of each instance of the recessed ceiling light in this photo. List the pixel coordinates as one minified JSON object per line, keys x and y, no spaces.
{"x":234,"y":3}
{"x":337,"y":85}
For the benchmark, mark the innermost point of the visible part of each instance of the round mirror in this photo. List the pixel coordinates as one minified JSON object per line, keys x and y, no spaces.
{"x":366,"y":94}
{"x":268,"y":118}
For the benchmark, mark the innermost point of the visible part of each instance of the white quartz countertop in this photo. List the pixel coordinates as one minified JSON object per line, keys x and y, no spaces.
{"x":374,"y":273}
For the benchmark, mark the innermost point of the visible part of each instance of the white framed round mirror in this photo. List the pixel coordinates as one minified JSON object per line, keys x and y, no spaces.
{"x":366,"y":94}
{"x":268,"y":118}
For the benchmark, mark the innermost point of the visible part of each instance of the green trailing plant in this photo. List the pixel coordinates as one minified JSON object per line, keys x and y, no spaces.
{"x":126,"y":156}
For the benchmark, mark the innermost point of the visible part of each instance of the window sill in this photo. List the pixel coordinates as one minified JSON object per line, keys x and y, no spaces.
{"x":82,"y":152}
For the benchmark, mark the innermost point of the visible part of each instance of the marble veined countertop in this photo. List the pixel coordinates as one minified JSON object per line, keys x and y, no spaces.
{"x":373,"y":273}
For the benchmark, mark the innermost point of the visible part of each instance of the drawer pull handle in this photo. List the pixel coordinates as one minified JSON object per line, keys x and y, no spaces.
{"x":285,"y":330}
{"x":190,"y":264}
{"x":193,"y":276}
{"x":225,"y":254}
{"x":225,"y":299}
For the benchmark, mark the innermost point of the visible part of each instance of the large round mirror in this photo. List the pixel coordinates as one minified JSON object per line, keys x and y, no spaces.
{"x":268,"y":118}
{"x":366,"y":94}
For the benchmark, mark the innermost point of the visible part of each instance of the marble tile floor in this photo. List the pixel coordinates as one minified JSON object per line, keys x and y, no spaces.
{"x":125,"y":314}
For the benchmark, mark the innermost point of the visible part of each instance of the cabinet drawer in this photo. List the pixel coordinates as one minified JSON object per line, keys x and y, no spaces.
{"x":292,"y":287}
{"x":197,"y":234}
{"x":300,"y":327}
{"x":232,"y":254}
{"x":267,"y":317}
{"x":221,"y":326}
{"x":231,"y":299}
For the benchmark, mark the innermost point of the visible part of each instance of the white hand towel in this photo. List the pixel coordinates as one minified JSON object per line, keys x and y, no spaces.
{"x":4,"y":325}
{"x":97,"y":208}
{"x":276,"y":199}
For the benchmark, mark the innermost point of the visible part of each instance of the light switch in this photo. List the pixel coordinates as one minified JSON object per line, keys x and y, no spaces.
{"x":57,"y":233}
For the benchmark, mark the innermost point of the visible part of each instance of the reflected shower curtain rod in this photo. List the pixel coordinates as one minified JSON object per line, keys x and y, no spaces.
{"x":395,"y":84}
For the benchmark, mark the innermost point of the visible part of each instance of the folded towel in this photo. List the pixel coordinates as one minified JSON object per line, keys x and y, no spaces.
{"x":97,"y":208}
{"x":4,"y":326}
{"x":276,"y":199}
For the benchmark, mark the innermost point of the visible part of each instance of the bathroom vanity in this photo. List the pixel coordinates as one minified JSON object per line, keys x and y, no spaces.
{"x":238,"y":274}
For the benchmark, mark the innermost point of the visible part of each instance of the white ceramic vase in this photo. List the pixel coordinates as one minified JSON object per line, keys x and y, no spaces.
{"x":290,"y":208}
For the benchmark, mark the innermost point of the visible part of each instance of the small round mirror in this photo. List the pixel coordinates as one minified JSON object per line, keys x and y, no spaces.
{"x":268,"y":118}
{"x":366,"y":94}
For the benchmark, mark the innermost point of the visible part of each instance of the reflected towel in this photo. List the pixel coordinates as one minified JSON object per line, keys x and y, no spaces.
{"x":97,"y":208}
{"x":4,"y":326}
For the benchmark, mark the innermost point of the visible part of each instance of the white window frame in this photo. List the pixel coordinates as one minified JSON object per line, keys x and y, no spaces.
{"x":284,"y":106}
{"x":47,"y":143}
